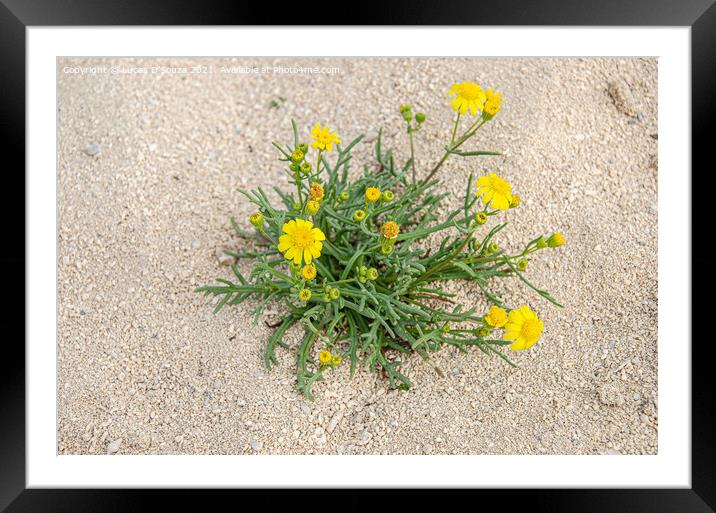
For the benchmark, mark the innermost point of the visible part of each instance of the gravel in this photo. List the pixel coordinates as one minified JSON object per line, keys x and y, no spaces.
{"x":149,"y":370}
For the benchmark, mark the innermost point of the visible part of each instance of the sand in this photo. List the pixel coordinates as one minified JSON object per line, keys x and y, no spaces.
{"x":148,"y":170}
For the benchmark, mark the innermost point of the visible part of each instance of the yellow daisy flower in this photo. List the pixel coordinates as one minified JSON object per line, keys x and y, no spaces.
{"x":390,"y":229}
{"x":468,"y":96}
{"x":495,"y":190}
{"x":523,"y":327}
{"x":372,"y":194}
{"x":308,"y":272}
{"x":325,"y":357}
{"x":324,"y":139}
{"x":316,"y":191}
{"x":496,"y":317}
{"x":301,"y":241}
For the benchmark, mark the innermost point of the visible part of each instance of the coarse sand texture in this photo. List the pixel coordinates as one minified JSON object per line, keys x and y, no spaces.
{"x":148,"y":167}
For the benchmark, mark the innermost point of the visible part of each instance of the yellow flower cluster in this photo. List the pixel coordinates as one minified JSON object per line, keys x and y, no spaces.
{"x":327,"y":358}
{"x":471,"y":97}
{"x":522,"y":326}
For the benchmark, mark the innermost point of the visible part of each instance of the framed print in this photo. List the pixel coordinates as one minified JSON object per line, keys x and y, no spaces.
{"x":399,"y":256}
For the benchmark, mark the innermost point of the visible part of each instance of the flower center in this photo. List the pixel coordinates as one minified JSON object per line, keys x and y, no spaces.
{"x":470,"y":91}
{"x":531,"y":329}
{"x":302,"y":238}
{"x":501,"y":187}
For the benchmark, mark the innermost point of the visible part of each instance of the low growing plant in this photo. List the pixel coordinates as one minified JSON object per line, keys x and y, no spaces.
{"x":349,"y":259}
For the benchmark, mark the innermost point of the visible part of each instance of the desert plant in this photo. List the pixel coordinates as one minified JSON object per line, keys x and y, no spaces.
{"x":350,"y":261}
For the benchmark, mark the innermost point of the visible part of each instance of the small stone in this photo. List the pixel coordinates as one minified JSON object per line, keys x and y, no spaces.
{"x":305,"y":409}
{"x":152,"y":147}
{"x":334,"y":421}
{"x":92,"y":149}
{"x":320,"y":436}
{"x":256,"y":445}
{"x":223,"y":258}
{"x":241,"y":403}
{"x":113,"y":446}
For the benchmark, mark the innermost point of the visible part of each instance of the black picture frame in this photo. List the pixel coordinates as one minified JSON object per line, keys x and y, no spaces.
{"x":17,"y":15}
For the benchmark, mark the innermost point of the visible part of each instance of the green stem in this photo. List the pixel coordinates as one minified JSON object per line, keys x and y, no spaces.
{"x":412,"y":152}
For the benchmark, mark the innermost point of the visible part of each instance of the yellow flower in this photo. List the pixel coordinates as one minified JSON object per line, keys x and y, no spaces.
{"x":336,"y":360}
{"x":492,"y":108}
{"x":390,"y":229}
{"x":523,"y":327}
{"x":468,"y":96}
{"x":372,"y":194}
{"x":495,"y":190}
{"x":325,"y":357}
{"x":515,"y":201}
{"x":297,"y":156}
{"x":301,"y":240}
{"x":496,"y":317}
{"x":324,"y":139}
{"x":304,"y":295}
{"x":556,"y":239}
{"x":316,"y":191}
{"x":308,"y":272}
{"x":312,"y":206}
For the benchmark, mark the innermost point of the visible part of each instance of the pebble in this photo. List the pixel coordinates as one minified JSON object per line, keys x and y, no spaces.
{"x":113,"y":446}
{"x":256,"y":445}
{"x":223,"y":258}
{"x":622,"y":97}
{"x":92,"y":150}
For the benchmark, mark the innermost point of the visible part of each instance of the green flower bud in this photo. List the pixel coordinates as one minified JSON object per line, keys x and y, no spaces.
{"x":335,"y":293}
{"x":405,"y":108}
{"x":362,"y":270}
{"x":327,"y":298}
{"x":257,"y":219}
{"x":306,"y":168}
{"x":388,"y":196}
{"x":344,"y":196}
{"x":303,"y":148}
{"x":492,"y":247}
{"x":522,"y":264}
{"x":294,"y":167}
{"x":420,"y":117}
{"x":359,"y":215}
{"x":541,"y":243}
{"x":555,"y":240}
{"x":445,"y":328}
{"x":362,"y":279}
{"x":386,"y":249}
{"x":484,"y":332}
{"x":372,"y":273}
{"x":304,"y":295}
{"x":481,"y":218}
{"x":297,"y":156}
{"x":296,"y":205}
{"x":408,"y":115}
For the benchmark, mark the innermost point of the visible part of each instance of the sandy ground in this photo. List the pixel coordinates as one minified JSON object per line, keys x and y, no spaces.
{"x":148,"y":170}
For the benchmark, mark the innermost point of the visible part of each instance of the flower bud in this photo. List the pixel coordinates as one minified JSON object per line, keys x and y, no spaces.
{"x":359,"y":215}
{"x":515,"y":201}
{"x":405,"y":108}
{"x":335,"y":293}
{"x":492,"y":247}
{"x":336,"y":360}
{"x":522,"y":264}
{"x":484,"y":332}
{"x":407,"y":115}
{"x":363,"y":270}
{"x":420,"y":117}
{"x":556,"y":239}
{"x":446,"y":328}
{"x":388,"y":196}
{"x":303,"y":148}
{"x":294,"y":167}
{"x":297,"y":156}
{"x":312,"y":206}
{"x":304,"y":295}
{"x":541,"y":243}
{"x":257,"y":219}
{"x":481,"y":218}
{"x":306,"y":168}
{"x":344,"y":196}
{"x":372,"y":274}
{"x":386,"y":248}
